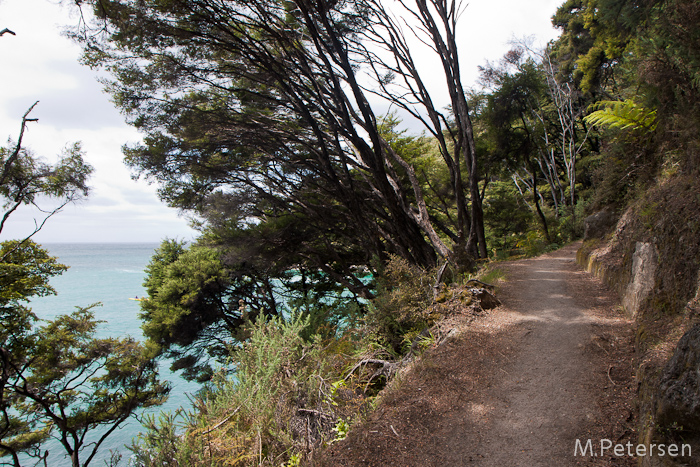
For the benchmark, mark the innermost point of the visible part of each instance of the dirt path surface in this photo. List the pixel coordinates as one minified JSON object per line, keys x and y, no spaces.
{"x":515,"y":387}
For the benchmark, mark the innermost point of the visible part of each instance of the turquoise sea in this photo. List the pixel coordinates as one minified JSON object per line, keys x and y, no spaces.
{"x":110,"y":274}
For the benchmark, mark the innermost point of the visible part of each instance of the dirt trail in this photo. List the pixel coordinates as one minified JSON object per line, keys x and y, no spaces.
{"x":516,"y":387}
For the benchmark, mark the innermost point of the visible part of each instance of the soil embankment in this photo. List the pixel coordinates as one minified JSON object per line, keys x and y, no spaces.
{"x":516,"y":387}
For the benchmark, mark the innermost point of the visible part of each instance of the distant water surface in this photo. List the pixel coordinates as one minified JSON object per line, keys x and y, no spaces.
{"x":109,"y":273}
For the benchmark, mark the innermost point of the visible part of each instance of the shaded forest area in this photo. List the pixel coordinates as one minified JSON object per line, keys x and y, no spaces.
{"x":330,"y":236}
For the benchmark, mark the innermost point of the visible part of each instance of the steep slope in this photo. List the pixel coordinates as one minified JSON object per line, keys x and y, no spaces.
{"x":652,"y":258}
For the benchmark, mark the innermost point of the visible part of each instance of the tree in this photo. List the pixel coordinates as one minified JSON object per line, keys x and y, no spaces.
{"x":25,"y":180}
{"x":437,"y":28}
{"x":70,"y":383}
{"x":266,"y":100}
{"x":257,"y":120}
{"x":528,"y":96}
{"x":200,"y":297}
{"x":571,"y":132}
{"x":515,"y":122}
{"x":24,"y":272}
{"x":189,"y":312}
{"x":198,"y":306}
{"x":258,"y":100}
{"x":634,"y":57}
{"x":595,"y":37}
{"x":56,"y":379}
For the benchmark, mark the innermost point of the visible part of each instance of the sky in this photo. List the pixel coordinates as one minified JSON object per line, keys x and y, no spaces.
{"x":40,"y":64}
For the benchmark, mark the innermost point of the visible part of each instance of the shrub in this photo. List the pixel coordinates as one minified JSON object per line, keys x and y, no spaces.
{"x":400,"y":308}
{"x":277,"y":404}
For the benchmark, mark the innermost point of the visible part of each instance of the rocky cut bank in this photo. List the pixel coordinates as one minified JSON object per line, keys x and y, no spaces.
{"x":650,"y":254}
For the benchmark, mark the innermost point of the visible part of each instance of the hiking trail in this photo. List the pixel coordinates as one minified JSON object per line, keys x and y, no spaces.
{"x":515,"y":387}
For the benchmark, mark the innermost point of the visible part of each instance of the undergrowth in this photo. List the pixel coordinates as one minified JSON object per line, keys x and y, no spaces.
{"x":402,"y":304}
{"x":276,"y":401}
{"x":287,"y":391}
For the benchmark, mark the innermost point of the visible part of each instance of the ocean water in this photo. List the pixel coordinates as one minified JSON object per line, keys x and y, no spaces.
{"x":110,"y":274}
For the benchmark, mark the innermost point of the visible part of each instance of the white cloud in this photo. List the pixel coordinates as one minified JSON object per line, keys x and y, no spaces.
{"x":40,"y":64}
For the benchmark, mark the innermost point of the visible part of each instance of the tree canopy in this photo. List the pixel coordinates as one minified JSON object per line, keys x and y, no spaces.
{"x":258,"y":119}
{"x":263,"y":105}
{"x":27,"y":180}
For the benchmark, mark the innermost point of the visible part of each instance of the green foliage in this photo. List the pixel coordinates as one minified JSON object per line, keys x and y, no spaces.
{"x":492,"y":275}
{"x":641,"y":53}
{"x":532,"y":243}
{"x":341,"y":429}
{"x":57,"y":379}
{"x":168,"y":252}
{"x":640,"y":61}
{"x":625,"y":115}
{"x":27,"y":180}
{"x":197,"y":305}
{"x":186,"y":305}
{"x":159,"y":445}
{"x":507,"y":217}
{"x":291,"y":217}
{"x":25,"y":270}
{"x":401,"y":305}
{"x":669,"y":62}
{"x":538,"y":141}
{"x":596,"y":36}
{"x":419,"y":340}
{"x":271,"y":152}
{"x":294,"y":461}
{"x":276,"y":403}
{"x":275,"y":348}
{"x":78,"y":383}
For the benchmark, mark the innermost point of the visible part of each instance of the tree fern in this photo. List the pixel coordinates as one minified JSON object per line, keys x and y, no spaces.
{"x":625,"y":115}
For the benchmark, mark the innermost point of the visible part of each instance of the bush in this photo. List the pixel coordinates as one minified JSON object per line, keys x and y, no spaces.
{"x":506,"y":217}
{"x":401,"y":306}
{"x":287,"y":391}
{"x":276,"y":405}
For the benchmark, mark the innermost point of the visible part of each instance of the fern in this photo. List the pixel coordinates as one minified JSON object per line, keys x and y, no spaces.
{"x":625,"y":115}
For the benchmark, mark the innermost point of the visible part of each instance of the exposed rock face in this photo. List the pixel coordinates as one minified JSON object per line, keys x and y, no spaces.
{"x":596,"y":225}
{"x":679,"y":388}
{"x":644,"y":264}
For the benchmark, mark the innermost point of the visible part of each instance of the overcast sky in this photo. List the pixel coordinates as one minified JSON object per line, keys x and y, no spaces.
{"x":39,"y":64}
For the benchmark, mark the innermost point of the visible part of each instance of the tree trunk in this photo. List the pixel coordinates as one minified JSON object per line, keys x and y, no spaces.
{"x":536,"y":200}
